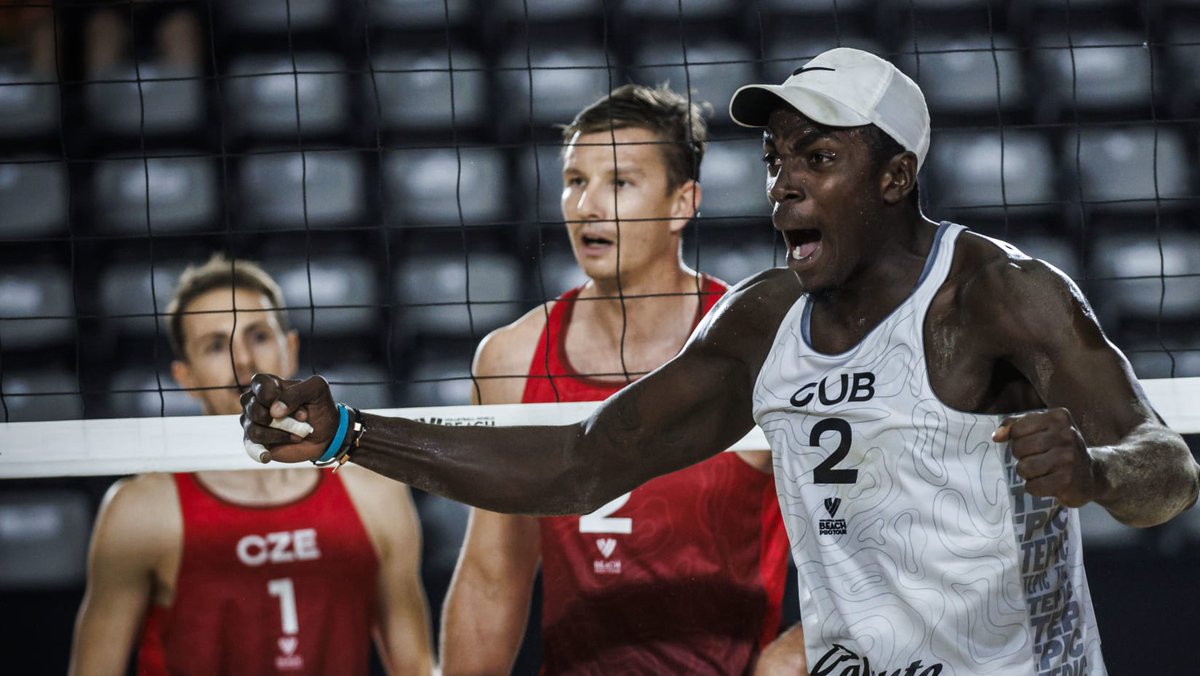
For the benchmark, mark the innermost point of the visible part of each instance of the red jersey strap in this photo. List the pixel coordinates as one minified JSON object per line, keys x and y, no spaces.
{"x":551,"y":375}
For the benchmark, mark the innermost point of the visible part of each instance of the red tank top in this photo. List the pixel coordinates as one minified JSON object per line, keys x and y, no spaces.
{"x":286,"y":589}
{"x":685,"y":574}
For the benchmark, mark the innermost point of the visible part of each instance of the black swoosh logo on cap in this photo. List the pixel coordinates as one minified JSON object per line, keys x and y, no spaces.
{"x":802,"y":69}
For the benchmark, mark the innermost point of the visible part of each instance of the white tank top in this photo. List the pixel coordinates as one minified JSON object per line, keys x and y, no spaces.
{"x":918,"y":551}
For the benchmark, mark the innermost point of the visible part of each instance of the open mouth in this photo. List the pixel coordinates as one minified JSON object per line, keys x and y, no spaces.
{"x":596,"y":240}
{"x":802,"y":244}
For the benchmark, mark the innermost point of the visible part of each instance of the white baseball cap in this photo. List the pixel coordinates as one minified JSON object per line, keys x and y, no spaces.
{"x":844,"y":87}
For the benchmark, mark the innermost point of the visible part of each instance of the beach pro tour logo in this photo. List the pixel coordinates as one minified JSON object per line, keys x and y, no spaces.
{"x":832,"y":526}
{"x":841,"y":661}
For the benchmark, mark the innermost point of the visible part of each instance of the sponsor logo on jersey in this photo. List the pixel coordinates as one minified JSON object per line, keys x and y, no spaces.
{"x":841,"y":661}
{"x":281,"y":547}
{"x":461,"y":421}
{"x":606,"y":546}
{"x":832,"y":526}
{"x":287,"y":659}
{"x":830,"y":391}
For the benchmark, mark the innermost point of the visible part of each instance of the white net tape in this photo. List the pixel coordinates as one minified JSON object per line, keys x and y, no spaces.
{"x":188,"y":444}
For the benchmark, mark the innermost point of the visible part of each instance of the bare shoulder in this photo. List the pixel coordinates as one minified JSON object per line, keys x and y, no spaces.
{"x":508,"y":349}
{"x":384,"y":505}
{"x":999,"y":286}
{"x":144,"y":492}
{"x":751,"y":311}
{"x":141,"y":513}
{"x":372,"y":491}
{"x":503,"y":357}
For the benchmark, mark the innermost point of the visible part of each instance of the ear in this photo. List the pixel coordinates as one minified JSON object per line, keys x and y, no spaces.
{"x":685,"y":205}
{"x":899,"y":178}
{"x":182,"y":373}
{"x":293,"y":353}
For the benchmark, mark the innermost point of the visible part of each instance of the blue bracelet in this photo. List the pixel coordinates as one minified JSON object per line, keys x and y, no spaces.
{"x":336,"y":445}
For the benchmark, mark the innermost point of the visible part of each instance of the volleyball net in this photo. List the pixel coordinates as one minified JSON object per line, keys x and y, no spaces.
{"x":395,"y":166}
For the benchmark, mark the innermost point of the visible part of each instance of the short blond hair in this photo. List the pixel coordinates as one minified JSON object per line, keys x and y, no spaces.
{"x":217,"y":273}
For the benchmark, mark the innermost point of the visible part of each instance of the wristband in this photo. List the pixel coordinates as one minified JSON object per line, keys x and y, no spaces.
{"x":335,"y":446}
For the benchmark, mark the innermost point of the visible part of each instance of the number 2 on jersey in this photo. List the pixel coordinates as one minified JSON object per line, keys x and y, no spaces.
{"x":600,"y":520}
{"x":825,"y":472}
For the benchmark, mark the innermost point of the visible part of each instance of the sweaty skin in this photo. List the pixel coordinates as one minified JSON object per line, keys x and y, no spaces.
{"x":1082,"y":430}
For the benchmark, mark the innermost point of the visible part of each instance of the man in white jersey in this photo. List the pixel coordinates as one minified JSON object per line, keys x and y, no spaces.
{"x":936,"y":402}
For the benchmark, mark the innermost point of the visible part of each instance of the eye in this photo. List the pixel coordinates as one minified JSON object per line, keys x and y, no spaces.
{"x":620,"y":182}
{"x":770,"y":159}
{"x":574,"y":181}
{"x":261,"y":336}
{"x":821,"y":157}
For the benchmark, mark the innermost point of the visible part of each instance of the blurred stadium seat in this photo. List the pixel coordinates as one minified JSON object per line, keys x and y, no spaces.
{"x":262,"y":101}
{"x":43,"y":538}
{"x":418,"y":14}
{"x":1094,"y":70}
{"x":329,"y":294}
{"x":433,"y":292}
{"x":45,"y":393}
{"x":181,"y":191}
{"x":565,"y":77}
{"x":126,"y":301}
{"x":414,"y":89}
{"x":367,"y":385}
{"x":29,"y":106}
{"x":139,"y":392}
{"x":149,"y":98}
{"x":292,"y":190}
{"x":446,"y":186}
{"x":550,"y":10}
{"x":34,"y":197}
{"x":733,"y":180}
{"x":439,"y":378}
{"x":540,"y":173}
{"x":964,"y":168}
{"x":733,"y":259}
{"x":688,"y":9}
{"x":1143,"y":276}
{"x":1128,"y":168}
{"x":37,"y":306}
{"x":277,"y":16}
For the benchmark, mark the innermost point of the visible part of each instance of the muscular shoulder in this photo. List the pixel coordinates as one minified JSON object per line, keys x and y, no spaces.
{"x":752,"y":308}
{"x":999,"y":288}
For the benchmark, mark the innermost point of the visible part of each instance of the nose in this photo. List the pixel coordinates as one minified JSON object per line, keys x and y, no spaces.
{"x":243,"y":360}
{"x":784,"y":186}
{"x":589,"y":206}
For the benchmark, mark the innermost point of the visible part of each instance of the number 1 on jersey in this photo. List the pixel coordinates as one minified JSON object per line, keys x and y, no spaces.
{"x":286,"y":593}
{"x":599,"y":521}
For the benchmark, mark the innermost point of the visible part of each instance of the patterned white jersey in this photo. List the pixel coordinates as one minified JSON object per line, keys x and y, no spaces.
{"x":918,"y":551}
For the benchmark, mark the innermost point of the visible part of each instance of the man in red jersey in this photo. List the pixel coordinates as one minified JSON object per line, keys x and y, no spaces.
{"x":684,"y":574}
{"x":250,"y":572}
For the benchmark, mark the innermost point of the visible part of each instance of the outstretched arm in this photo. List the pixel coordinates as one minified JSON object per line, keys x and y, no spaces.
{"x":693,"y":407}
{"x":1100,"y":440}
